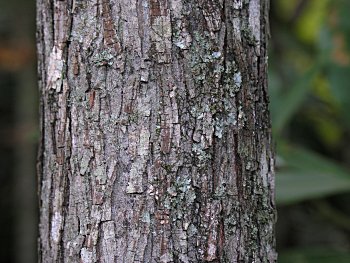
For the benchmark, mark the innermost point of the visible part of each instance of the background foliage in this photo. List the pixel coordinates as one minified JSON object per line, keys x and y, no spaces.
{"x":310,"y":107}
{"x":309,"y":77}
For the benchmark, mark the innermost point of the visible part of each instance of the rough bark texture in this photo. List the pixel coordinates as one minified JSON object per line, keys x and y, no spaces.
{"x":155,"y":131}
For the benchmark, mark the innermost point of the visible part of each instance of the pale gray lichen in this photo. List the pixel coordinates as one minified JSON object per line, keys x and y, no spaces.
{"x":230,"y":223}
{"x":167,"y":203}
{"x":105,"y":58}
{"x":237,"y":4}
{"x":204,"y":57}
{"x":218,"y":69}
{"x":146,"y":217}
{"x":182,"y":39}
{"x":183,"y":184}
{"x":190,"y":197}
{"x":251,"y":165}
{"x":224,"y":121}
{"x":237,"y":78}
{"x":180,"y":44}
{"x":181,"y":195}
{"x":172,"y":191}
{"x":232,"y":79}
{"x":166,"y":258}
{"x":231,"y":119}
{"x":248,"y":166}
{"x":194,"y":111}
{"x":199,"y":112}
{"x":144,"y":75}
{"x":241,"y":115}
{"x":201,"y":155}
{"x":219,"y":127}
{"x":220,"y":191}
{"x":192,"y":230}
{"x":216,"y":54}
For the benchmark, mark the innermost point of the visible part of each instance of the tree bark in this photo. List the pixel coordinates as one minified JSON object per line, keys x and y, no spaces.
{"x":156,"y":140}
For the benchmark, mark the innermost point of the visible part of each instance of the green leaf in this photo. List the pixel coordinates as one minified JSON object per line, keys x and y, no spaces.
{"x":316,"y":255}
{"x":307,"y":175}
{"x":307,"y":160}
{"x":339,"y":82}
{"x":289,"y":103}
{"x":295,"y":186}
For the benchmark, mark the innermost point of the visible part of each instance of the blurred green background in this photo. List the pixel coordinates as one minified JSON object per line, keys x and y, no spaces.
{"x":309,"y":76}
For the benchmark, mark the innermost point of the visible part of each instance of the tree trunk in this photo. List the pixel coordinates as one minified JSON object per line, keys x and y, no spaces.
{"x":155,"y":131}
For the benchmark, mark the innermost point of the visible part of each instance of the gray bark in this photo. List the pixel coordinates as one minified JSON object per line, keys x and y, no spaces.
{"x":155,"y":131}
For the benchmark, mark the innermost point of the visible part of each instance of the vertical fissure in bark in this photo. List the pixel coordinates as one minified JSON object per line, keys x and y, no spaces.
{"x":155,"y":131}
